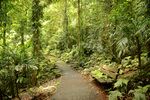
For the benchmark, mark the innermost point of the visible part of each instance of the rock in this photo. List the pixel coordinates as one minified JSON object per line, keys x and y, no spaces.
{"x":85,"y":72}
{"x":44,"y":92}
{"x":23,"y":96}
{"x":40,"y":97}
{"x":47,"y":90}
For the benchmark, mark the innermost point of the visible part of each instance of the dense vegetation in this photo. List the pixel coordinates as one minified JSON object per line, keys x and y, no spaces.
{"x":109,"y":34}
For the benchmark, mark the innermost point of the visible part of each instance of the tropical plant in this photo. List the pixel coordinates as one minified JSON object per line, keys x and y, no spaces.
{"x":140,"y":92}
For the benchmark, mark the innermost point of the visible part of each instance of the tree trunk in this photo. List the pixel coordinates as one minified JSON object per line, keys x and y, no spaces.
{"x":4,"y":38}
{"x":79,"y":29}
{"x":139,"y":51}
{"x":66,"y":23}
{"x":147,"y":2}
{"x":36,"y":15}
{"x":148,"y":8}
{"x":1,"y":95}
{"x":22,"y":30}
{"x":4,"y":29}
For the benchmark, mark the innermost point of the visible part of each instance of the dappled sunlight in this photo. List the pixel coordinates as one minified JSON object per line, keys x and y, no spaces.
{"x":74,"y":49}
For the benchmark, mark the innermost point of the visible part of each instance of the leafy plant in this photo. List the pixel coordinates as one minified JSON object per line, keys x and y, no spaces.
{"x":140,"y":93}
{"x":120,"y":83}
{"x":98,"y":74}
{"x":114,"y":95}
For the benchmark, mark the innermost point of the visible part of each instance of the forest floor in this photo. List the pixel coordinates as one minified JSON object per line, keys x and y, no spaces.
{"x":73,"y":86}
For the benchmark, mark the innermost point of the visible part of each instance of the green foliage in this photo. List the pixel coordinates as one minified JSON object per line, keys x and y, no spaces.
{"x":120,"y":87}
{"x":48,"y":70}
{"x":114,"y":95}
{"x":120,"y":83}
{"x":140,"y":93}
{"x":21,"y":75}
{"x":97,"y":73}
{"x":103,"y":33}
{"x":122,"y":46}
{"x":70,"y":55}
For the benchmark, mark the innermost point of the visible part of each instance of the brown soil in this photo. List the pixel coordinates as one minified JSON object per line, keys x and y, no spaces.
{"x":75,"y":87}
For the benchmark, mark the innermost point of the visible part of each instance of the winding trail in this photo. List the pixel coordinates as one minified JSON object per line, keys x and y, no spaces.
{"x":74,"y":87}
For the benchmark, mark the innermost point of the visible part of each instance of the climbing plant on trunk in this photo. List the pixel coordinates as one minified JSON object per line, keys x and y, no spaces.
{"x":36,"y":16}
{"x":4,"y":21}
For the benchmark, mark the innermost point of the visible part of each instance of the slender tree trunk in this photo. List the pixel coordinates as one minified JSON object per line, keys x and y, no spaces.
{"x":12,"y":86}
{"x":66,"y":23}
{"x":4,"y":38}
{"x":148,"y":8}
{"x":16,"y":84}
{"x":22,"y":30}
{"x":79,"y":29}
{"x":139,"y":51}
{"x":1,"y":95}
{"x":147,"y":2}
{"x":4,"y":30}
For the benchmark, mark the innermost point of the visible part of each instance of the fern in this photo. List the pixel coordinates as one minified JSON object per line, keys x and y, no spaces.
{"x":97,"y":73}
{"x":120,"y":83}
{"x":122,"y":46}
{"x":114,"y":95}
{"x":139,"y":94}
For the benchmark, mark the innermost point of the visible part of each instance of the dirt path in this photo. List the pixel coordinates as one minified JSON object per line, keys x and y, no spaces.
{"x":74,"y":87}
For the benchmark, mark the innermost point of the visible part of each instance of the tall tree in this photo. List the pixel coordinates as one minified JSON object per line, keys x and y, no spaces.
{"x":147,"y":2}
{"x":4,"y":10}
{"x":22,"y":30}
{"x":66,"y":22}
{"x":36,"y":16}
{"x":79,"y":29}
